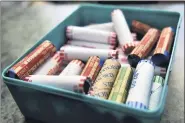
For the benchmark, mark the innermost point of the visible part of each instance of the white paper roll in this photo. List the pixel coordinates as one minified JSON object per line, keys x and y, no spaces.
{"x":121,"y":27}
{"x":75,"y":52}
{"x":156,"y":91}
{"x":75,"y":67}
{"x":104,"y":26}
{"x":140,"y":89}
{"x":73,"y":83}
{"x":51,"y":66}
{"x":90,"y":35}
{"x":90,"y":44}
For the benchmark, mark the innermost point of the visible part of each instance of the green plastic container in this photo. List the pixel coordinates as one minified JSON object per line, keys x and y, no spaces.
{"x":53,"y":105}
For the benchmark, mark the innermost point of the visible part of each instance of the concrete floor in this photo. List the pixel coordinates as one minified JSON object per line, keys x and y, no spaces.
{"x":23,"y":26}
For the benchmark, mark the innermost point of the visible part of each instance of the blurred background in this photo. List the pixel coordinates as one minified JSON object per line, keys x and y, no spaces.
{"x":24,"y":23}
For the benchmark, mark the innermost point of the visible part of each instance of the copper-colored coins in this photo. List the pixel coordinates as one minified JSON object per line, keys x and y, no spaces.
{"x":31,"y":62}
{"x":144,"y":47}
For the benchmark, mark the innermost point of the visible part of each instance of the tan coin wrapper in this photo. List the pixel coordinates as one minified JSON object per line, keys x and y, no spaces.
{"x":32,"y":61}
{"x":120,"y":88}
{"x":145,"y":46}
{"x":105,"y":79}
{"x":161,"y":53}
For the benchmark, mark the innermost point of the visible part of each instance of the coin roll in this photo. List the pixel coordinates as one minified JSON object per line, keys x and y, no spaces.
{"x":76,"y":83}
{"x":105,"y":79}
{"x":32,"y":61}
{"x":161,"y":53}
{"x":156,"y":91}
{"x":139,"y":92}
{"x":144,"y":48}
{"x":121,"y":85}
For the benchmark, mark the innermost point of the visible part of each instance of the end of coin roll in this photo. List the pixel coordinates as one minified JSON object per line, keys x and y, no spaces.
{"x":11,"y":73}
{"x":173,"y":30}
{"x":160,"y":59}
{"x":101,"y":62}
{"x":133,"y":60}
{"x":87,"y":85}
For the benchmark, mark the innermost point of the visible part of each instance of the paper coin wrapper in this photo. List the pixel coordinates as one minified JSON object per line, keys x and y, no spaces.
{"x":82,"y":53}
{"x":90,"y":44}
{"x":74,"y":83}
{"x":75,"y":67}
{"x":92,"y":68}
{"x":32,"y":61}
{"x":121,"y":27}
{"x":145,"y":46}
{"x":139,"y":93}
{"x":121,"y":85}
{"x":51,"y":66}
{"x":156,"y":91}
{"x":105,"y":79}
{"x":104,"y":26}
{"x":140,"y":27}
{"x":90,"y":35}
{"x":161,"y":54}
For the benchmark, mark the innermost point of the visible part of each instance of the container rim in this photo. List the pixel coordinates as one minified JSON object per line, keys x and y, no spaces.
{"x":96,"y":101}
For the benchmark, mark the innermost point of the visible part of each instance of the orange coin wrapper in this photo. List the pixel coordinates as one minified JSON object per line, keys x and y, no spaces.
{"x":90,"y":35}
{"x":51,"y":66}
{"x":74,"y":83}
{"x":32,"y":61}
{"x":161,"y":54}
{"x":75,"y":67}
{"x":139,"y":92}
{"x":90,"y":44}
{"x":105,"y":79}
{"x":128,"y":47}
{"x":140,"y":27}
{"x":156,"y":91}
{"x":92,"y":68}
{"x":145,"y":46}
{"x":121,"y":27}
{"x":75,"y":52}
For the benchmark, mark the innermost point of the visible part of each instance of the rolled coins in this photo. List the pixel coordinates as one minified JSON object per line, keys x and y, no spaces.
{"x":122,"y":57}
{"x":140,"y":27}
{"x":128,"y":47}
{"x":90,"y":44}
{"x":51,"y":66}
{"x":156,"y":91}
{"x":75,"y":52}
{"x":160,"y":71}
{"x":139,"y":93}
{"x":74,"y":83}
{"x":121,"y":85}
{"x":104,"y":26}
{"x":121,"y":27}
{"x":105,"y":79}
{"x":161,"y":54}
{"x":92,"y":68}
{"x":145,"y":46}
{"x":75,"y":67}
{"x":32,"y":61}
{"x":90,"y":35}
